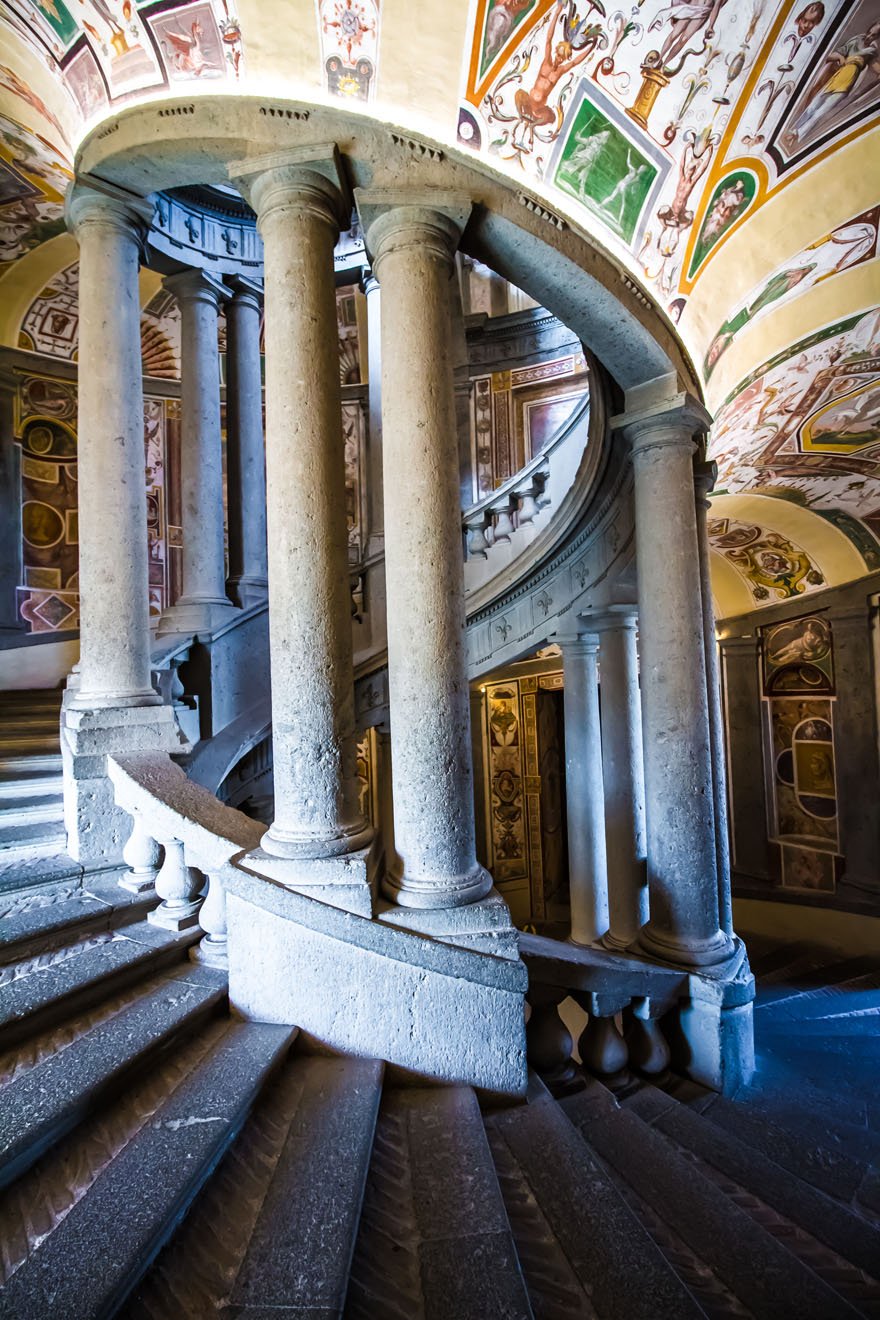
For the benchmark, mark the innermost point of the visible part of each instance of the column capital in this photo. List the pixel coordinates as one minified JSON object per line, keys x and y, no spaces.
{"x":705,"y":477}
{"x":578,"y":643}
{"x":620,"y":618}
{"x":304,"y":179}
{"x":674,"y":423}
{"x":244,"y":292}
{"x":393,"y":220}
{"x":93,"y":200}
{"x":196,"y":286}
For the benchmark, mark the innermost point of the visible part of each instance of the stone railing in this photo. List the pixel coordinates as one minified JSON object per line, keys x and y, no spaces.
{"x":641,"y":1015}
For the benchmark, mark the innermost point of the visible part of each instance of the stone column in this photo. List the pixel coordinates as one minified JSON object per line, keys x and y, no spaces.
{"x":684,"y":924}
{"x":622,"y":773}
{"x":413,"y":242}
{"x":585,"y":806}
{"x":114,"y":664}
{"x":705,"y":476}
{"x":110,"y":704}
{"x":248,"y":582}
{"x":298,"y":198}
{"x":375,"y":496}
{"x":204,"y":604}
{"x":11,"y":571}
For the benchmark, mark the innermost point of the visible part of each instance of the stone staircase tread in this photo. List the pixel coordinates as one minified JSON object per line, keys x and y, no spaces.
{"x":50,"y":1098}
{"x":721,"y":1233}
{"x":167,"y":1161}
{"x":434,"y":1241}
{"x":15,"y":768}
{"x":47,"y":804}
{"x":600,"y":1236}
{"x":30,"y":833}
{"x":821,"y":1216}
{"x":815,"y":1126}
{"x":68,"y":978}
{"x":300,"y":1250}
{"x":37,"y":870}
{"x":27,"y":924}
{"x":817,"y":1000}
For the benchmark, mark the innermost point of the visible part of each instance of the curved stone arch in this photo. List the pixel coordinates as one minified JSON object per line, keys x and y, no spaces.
{"x":155,"y":146}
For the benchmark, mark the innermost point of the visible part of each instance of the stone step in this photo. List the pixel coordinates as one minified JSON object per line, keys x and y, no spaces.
{"x":41,"y":804}
{"x":841,"y":996}
{"x":611,"y":1255}
{"x":751,"y":1263}
{"x":434,"y":1237}
{"x":34,"y":921}
{"x":28,"y":743}
{"x":827,"y":1128}
{"x":54,"y":985}
{"x":63,"y":1084}
{"x":40,"y":724}
{"x":95,"y":1255}
{"x":823,"y":1218}
{"x":27,"y":869}
{"x":296,"y":1176}
{"x":27,"y":837}
{"x":22,"y":770}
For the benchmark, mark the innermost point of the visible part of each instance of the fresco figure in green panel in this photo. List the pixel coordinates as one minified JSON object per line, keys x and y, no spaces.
{"x":605,"y":171}
{"x":59,"y":18}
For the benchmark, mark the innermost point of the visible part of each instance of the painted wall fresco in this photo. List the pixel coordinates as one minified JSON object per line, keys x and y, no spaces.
{"x":773,"y":567}
{"x":515,"y":415}
{"x":669,"y":123}
{"x":525,"y":825}
{"x":797,"y":662}
{"x":33,"y":177}
{"x":349,"y":33}
{"x":805,"y":426}
{"x":109,"y":50}
{"x":45,"y":424}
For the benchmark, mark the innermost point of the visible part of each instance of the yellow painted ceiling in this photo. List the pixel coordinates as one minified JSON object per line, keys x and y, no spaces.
{"x":727,"y":152}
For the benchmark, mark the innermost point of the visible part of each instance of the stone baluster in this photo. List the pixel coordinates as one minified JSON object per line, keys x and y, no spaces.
{"x":601,"y":1046}
{"x":648,"y":1048}
{"x":622,"y":774}
{"x":212,"y":949}
{"x":299,"y":200}
{"x":682,"y":871}
{"x":503,"y":523}
{"x":110,"y":704}
{"x":705,"y":476}
{"x":141,"y":855}
{"x":585,"y":807}
{"x":204,"y":604}
{"x":247,"y":583}
{"x":180,"y":887}
{"x":412,"y":241}
{"x":477,"y":541}
{"x":548,"y":1039}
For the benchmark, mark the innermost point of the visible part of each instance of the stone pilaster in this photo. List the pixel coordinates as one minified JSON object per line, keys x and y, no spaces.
{"x":110,"y":704}
{"x":375,"y":489}
{"x":412,"y":241}
{"x":623,"y":773}
{"x":682,"y":869}
{"x":299,"y":200}
{"x":705,"y":476}
{"x":856,"y":750}
{"x":204,"y":604}
{"x":752,"y":853}
{"x":11,"y":571}
{"x":585,"y":805}
{"x":248,"y":581}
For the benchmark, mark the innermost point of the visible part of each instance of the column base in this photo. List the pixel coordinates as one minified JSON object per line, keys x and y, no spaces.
{"x":278,"y":842}
{"x":246,"y":592}
{"x":484,"y":925}
{"x":180,"y":916}
{"x":196,"y":614}
{"x":97,"y":830}
{"x":340,"y":882}
{"x":684,"y":951}
{"x":445,"y":892}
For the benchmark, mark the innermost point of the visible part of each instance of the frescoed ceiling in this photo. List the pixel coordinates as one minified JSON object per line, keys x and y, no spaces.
{"x":725,"y":152}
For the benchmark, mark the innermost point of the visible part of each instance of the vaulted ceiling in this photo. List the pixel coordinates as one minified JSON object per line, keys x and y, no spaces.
{"x":726,"y":153}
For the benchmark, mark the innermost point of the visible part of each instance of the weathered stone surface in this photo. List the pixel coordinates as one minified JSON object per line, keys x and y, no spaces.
{"x":53,"y":1097}
{"x":300,"y":1249}
{"x":167,"y":1161}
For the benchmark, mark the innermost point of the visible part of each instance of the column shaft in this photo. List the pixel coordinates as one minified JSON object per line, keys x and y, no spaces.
{"x":413,"y":250}
{"x":585,"y":807}
{"x":114,"y":616}
{"x":704,"y":481}
{"x":247,"y":583}
{"x":623,"y":775}
{"x":375,"y":495}
{"x":684,"y":923}
{"x":313,"y":728}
